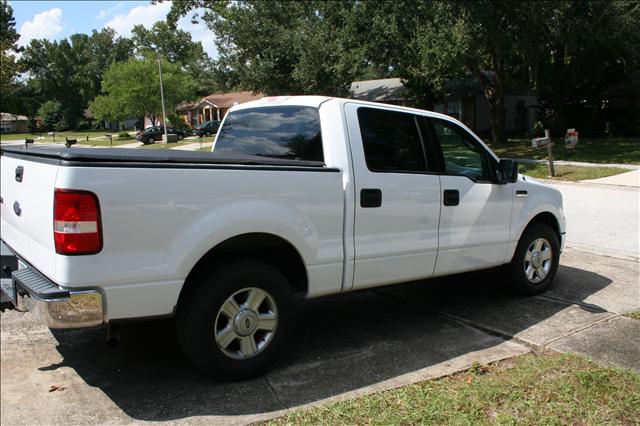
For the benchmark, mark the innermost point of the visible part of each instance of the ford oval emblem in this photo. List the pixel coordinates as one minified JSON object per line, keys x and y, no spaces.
{"x":17,"y":209}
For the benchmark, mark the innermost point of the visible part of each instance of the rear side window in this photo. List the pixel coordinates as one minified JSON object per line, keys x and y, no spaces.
{"x":391,"y":141}
{"x":291,"y":132}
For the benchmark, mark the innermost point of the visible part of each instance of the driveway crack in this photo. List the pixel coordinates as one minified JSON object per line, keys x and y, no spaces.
{"x":274,"y":393}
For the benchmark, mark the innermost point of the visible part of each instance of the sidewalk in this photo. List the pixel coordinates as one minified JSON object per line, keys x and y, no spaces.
{"x":631,"y":179}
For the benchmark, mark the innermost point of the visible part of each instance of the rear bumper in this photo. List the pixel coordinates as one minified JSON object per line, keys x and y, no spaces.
{"x":29,"y":290}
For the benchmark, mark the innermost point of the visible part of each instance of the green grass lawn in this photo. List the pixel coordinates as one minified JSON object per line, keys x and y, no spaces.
{"x":634,"y":315}
{"x":566,"y":172}
{"x":534,"y":389}
{"x":160,"y":145}
{"x":80,"y":135}
{"x":590,"y":150}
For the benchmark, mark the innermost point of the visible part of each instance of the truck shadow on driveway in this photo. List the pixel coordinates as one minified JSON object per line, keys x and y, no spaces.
{"x":341,"y":343}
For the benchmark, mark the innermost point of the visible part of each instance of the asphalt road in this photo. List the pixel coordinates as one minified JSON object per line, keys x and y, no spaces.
{"x":602,"y":219}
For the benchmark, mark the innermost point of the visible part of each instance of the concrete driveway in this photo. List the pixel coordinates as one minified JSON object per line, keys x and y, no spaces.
{"x":343,"y":346}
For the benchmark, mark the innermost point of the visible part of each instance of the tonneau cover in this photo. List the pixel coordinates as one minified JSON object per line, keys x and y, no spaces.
{"x":95,"y":156}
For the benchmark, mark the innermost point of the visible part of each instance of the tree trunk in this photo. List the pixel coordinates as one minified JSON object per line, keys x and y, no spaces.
{"x":498,"y":119}
{"x":493,"y":89}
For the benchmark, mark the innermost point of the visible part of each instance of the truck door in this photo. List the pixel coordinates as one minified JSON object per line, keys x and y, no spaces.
{"x":397,"y":197}
{"x":476,"y":212}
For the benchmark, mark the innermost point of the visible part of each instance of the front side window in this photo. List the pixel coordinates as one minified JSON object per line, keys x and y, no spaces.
{"x":391,"y":141}
{"x":463,"y":155}
{"x":289,"y":132}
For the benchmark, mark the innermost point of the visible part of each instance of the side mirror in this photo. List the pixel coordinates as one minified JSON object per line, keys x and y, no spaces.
{"x":507,"y":171}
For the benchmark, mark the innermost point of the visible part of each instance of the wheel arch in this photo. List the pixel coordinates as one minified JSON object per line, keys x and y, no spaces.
{"x":268,"y":248}
{"x":545,"y":217}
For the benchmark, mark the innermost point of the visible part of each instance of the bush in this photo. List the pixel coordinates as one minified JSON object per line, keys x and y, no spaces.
{"x":177,"y":122}
{"x":123,"y":135}
{"x":52,"y":116}
{"x":83,"y":125}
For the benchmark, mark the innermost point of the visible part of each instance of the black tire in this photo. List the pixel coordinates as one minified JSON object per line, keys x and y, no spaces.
{"x":150,"y":140}
{"x":207,"y":134}
{"x":199,"y":318}
{"x":519,"y":281}
{"x":180,"y":137}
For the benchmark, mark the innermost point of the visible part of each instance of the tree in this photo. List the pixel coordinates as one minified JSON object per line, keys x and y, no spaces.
{"x":282,"y":47}
{"x":177,"y":47}
{"x":70,"y":70}
{"x":580,"y":50}
{"x":9,"y":85}
{"x":132,"y":89}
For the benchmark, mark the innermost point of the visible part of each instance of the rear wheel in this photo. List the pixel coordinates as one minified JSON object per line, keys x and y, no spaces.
{"x":180,"y":137}
{"x":236,"y":320}
{"x":535,"y":262}
{"x":151,"y":140}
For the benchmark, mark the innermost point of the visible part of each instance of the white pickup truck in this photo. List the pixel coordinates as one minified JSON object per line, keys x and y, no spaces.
{"x":301,"y":195}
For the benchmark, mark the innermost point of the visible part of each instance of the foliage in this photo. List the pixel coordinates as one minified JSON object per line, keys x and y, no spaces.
{"x":177,"y":47}
{"x":52,"y":115}
{"x":569,"y":51}
{"x":580,"y":49}
{"x":283,"y":47}
{"x":9,"y":86}
{"x":132,"y":89}
{"x":124,"y":135}
{"x":177,"y":122}
{"x":70,"y":71}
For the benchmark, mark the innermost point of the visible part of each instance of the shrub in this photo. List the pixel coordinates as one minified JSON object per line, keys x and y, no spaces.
{"x":123,"y":135}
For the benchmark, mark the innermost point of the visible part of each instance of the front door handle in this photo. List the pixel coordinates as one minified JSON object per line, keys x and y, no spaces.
{"x":370,"y":197}
{"x":451,"y":197}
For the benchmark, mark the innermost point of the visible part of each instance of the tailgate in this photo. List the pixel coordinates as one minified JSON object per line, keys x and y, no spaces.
{"x":27,"y":189}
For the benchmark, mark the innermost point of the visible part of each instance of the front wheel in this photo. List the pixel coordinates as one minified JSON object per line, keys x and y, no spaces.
{"x":236,"y":319}
{"x":535,"y":262}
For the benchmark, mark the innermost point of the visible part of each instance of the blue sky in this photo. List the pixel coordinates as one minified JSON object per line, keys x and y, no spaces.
{"x":55,"y":20}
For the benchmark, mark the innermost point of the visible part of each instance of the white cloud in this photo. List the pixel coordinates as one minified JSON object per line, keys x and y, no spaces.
{"x":142,"y":15}
{"x":45,"y":24}
{"x":106,"y":12}
{"x":148,"y":15}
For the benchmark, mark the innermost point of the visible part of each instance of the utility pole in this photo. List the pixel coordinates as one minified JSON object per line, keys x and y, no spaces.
{"x":164,"y":114}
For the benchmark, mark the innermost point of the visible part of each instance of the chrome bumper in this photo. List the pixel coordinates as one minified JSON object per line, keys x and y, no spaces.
{"x":80,"y":309}
{"x":56,"y":307}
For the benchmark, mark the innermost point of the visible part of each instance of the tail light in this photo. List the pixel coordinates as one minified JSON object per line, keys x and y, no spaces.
{"x":77,"y":228}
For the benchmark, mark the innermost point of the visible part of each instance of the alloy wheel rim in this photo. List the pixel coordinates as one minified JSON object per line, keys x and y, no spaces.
{"x":538,"y":260}
{"x":246,"y":323}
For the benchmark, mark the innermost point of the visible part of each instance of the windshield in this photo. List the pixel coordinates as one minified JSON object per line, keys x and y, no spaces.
{"x":291,"y":132}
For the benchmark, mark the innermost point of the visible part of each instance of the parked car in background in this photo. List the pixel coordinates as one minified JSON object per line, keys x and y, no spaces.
{"x":207,"y":128}
{"x":153,"y":134}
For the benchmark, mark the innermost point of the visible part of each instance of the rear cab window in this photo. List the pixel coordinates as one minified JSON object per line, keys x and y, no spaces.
{"x":391,"y":141}
{"x":288,"y":132}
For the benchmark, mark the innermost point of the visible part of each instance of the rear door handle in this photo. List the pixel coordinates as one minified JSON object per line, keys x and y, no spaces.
{"x":451,"y":197}
{"x":370,"y":197}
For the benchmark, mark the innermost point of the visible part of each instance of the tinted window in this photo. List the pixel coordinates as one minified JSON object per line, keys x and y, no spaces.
{"x":291,"y":132}
{"x":463,"y":155}
{"x":391,"y":141}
